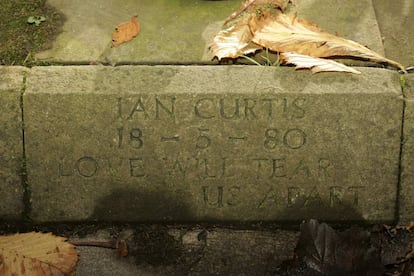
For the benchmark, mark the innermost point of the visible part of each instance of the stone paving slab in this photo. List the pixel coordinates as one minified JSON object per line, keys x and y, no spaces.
{"x":171,"y":31}
{"x":395,"y":19}
{"x":208,"y":143}
{"x":176,"y":31}
{"x":220,"y":251}
{"x":407,"y":158}
{"x":11,"y":148}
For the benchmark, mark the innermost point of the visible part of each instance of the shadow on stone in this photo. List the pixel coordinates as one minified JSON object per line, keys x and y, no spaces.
{"x":305,"y":208}
{"x":155,"y":247}
{"x":131,"y":205}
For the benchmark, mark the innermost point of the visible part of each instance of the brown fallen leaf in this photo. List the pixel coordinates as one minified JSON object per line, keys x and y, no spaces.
{"x":269,"y":28}
{"x":248,"y":3}
{"x":125,"y":31}
{"x":321,"y":250}
{"x":410,"y":226}
{"x":36,"y":254}
{"x":286,"y":33}
{"x":315,"y":64}
{"x":234,"y":42}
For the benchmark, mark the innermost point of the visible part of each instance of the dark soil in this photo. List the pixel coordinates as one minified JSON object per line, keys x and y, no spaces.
{"x":19,"y":39}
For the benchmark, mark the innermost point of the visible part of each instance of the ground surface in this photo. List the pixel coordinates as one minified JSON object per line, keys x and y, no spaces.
{"x":20,"y":40}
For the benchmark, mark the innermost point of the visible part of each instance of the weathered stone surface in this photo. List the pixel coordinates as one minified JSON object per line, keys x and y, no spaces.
{"x":189,"y":143}
{"x":177,"y":31}
{"x":11,"y":189}
{"x":246,"y":252}
{"x":407,"y":156}
{"x":171,"y":30}
{"x":182,"y":251}
{"x":395,"y":19}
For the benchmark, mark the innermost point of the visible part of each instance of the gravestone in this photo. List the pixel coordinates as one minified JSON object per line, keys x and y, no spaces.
{"x":407,"y":156}
{"x":208,"y":143}
{"x":11,"y":148}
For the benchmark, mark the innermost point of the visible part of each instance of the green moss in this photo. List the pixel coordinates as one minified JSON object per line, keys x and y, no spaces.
{"x":20,"y":40}
{"x":402,"y":82}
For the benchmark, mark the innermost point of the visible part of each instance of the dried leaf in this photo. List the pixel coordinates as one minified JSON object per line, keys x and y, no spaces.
{"x":356,"y":255}
{"x":396,"y":244}
{"x":36,"y":254}
{"x":316,"y":245}
{"x":327,"y":252}
{"x":247,"y":3}
{"x":125,"y":31}
{"x":233,"y":42}
{"x":286,"y":33}
{"x":283,"y":33}
{"x":241,"y":9}
{"x":315,"y":64}
{"x":411,"y":225}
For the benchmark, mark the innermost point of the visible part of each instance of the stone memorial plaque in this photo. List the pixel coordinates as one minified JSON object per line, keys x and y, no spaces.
{"x":11,"y":147}
{"x":407,"y":156}
{"x":211,"y":143}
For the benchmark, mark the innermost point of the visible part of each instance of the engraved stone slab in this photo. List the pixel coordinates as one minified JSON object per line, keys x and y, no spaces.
{"x":11,"y":189}
{"x":407,"y":158}
{"x":211,"y":143}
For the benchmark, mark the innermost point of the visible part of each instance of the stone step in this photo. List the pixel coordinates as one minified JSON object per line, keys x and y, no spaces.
{"x":209,"y":143}
{"x":11,"y":144}
{"x":407,"y":154}
{"x":295,"y":141}
{"x":175,"y":31}
{"x":395,"y":22}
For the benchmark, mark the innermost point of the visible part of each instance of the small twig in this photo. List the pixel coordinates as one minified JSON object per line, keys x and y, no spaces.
{"x":29,"y":53}
{"x":104,"y":244}
{"x":119,"y":246}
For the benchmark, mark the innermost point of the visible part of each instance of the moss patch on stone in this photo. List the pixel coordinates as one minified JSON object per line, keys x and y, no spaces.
{"x":20,"y":40}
